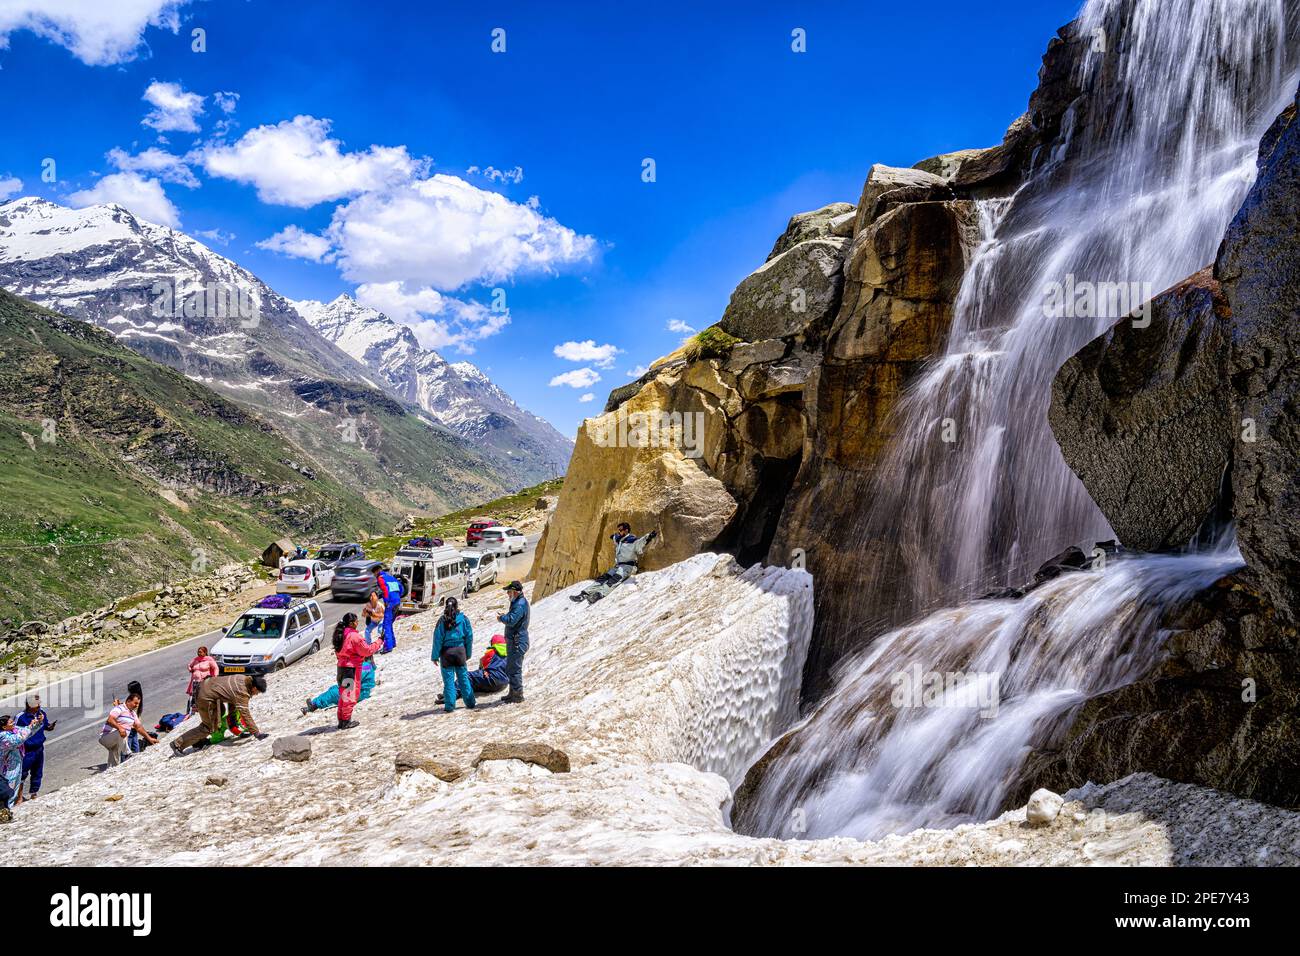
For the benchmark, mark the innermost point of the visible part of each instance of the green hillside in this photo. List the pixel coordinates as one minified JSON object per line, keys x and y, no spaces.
{"x":116,"y":472}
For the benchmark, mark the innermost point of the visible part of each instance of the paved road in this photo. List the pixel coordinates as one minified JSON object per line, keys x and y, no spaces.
{"x":72,"y":749}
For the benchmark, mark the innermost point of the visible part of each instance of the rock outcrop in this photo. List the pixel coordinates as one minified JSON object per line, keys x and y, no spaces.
{"x":799,"y":287}
{"x":1142,"y":416}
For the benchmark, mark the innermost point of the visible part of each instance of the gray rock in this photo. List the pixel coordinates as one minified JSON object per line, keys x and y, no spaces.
{"x":1259,"y":266}
{"x":798,"y":288}
{"x":1142,"y":417}
{"x":297,"y":749}
{"x":215,"y":782}
{"x":818,"y":224}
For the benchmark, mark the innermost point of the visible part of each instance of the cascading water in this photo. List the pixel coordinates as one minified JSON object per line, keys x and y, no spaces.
{"x":1150,"y":165}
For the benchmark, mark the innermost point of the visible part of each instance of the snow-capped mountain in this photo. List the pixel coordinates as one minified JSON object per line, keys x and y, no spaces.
{"x":458,"y":394}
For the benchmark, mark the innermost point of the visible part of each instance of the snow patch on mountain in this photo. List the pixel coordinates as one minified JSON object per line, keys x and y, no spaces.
{"x":459,"y":394}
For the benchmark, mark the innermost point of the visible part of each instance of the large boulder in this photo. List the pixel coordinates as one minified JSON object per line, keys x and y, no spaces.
{"x":831,"y":221}
{"x":796,"y":289}
{"x":1142,"y":417}
{"x":1259,"y":266}
{"x":883,"y":179}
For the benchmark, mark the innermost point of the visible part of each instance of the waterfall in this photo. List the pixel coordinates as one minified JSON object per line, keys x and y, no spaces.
{"x":1149,"y":167}
{"x":1150,"y":164}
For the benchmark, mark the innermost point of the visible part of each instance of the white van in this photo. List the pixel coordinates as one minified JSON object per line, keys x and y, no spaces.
{"x":431,"y":575}
{"x":267,"y":639}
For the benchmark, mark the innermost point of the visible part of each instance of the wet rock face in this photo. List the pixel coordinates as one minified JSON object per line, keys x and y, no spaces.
{"x":1259,"y":266}
{"x":1223,"y":710}
{"x":1142,"y":417}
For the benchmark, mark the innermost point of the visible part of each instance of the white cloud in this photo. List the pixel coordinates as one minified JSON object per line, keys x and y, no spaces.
{"x":589,"y":396}
{"x":293,"y":241}
{"x":97,"y":32}
{"x":588,"y":351}
{"x":637,"y":372}
{"x":168,"y":167}
{"x":225,"y":100}
{"x":578,"y":378}
{"x":219,"y":236}
{"x":680,"y":327}
{"x":143,"y":197}
{"x":444,"y":232}
{"x":438,"y":321}
{"x":10,"y":186}
{"x":174,"y":109}
{"x":492,"y":174}
{"x":297,"y":163}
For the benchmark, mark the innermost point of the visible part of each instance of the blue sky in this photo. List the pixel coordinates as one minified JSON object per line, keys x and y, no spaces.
{"x":743,"y":131}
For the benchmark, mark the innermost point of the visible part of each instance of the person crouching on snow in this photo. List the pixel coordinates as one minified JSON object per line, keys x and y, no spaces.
{"x":350,"y":651}
{"x":453,"y":644}
{"x":330,"y":696}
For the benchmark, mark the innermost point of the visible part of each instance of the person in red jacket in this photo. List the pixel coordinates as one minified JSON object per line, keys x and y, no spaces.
{"x":350,"y":651}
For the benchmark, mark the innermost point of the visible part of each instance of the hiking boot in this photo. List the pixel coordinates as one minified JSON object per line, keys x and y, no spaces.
{"x":176,"y":748}
{"x":577,"y":598}
{"x":348,"y":724}
{"x":512,"y":698}
{"x":309,"y":708}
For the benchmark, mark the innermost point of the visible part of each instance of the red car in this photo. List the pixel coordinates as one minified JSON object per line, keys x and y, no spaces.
{"x":475,"y":531}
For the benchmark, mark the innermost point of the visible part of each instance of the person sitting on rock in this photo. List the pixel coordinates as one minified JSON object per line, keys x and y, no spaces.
{"x":628,"y":549}
{"x":491,"y":675}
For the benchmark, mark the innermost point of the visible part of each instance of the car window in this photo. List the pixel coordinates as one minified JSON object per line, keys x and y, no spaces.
{"x":315,"y":612}
{"x":488,"y":559}
{"x":258,"y":627}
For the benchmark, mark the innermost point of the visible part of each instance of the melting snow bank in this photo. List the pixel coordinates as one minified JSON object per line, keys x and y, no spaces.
{"x":659,"y":695}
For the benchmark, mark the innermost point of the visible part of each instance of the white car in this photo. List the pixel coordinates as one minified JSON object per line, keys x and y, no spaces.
{"x":480,"y":568}
{"x":504,"y":541}
{"x":266,"y":639}
{"x":305,"y":576}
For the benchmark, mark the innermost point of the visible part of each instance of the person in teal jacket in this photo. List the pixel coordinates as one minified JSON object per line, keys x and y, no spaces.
{"x":330,"y":698}
{"x":453,"y":646}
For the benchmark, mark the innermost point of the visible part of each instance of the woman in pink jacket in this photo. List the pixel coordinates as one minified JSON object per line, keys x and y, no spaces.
{"x":203,"y":666}
{"x":350,"y":651}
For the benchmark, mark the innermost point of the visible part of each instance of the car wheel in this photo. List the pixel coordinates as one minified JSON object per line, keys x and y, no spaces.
{"x":315,"y":646}
{"x":279,"y":665}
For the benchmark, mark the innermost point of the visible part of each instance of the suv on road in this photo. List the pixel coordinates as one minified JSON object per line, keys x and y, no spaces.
{"x":480,"y":569}
{"x":269,"y":638}
{"x":504,"y":541}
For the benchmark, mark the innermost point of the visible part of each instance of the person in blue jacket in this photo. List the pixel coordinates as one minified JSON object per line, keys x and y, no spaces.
{"x":33,"y":747}
{"x":516,"y":622}
{"x":390,"y":589}
{"x":330,"y":698}
{"x":453,"y":645}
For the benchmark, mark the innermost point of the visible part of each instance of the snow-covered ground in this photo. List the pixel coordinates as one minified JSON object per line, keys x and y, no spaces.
{"x":660,"y":695}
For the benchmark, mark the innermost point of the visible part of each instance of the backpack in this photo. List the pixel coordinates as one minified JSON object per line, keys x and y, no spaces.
{"x":275,"y":602}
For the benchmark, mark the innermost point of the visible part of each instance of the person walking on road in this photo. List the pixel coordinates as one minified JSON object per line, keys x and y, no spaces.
{"x":12,"y":739}
{"x":123,"y":720}
{"x":203,"y":666}
{"x":516,"y":621}
{"x":216,"y":694}
{"x":453,"y":645}
{"x":351,"y":651}
{"x":33,"y":747}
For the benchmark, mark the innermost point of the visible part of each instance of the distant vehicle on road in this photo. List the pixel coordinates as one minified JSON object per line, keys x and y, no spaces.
{"x":476,"y":528}
{"x":304,"y":577}
{"x":334,"y":554}
{"x":268,"y":639}
{"x":480,"y":569}
{"x":504,"y":541}
{"x":355,"y":579}
{"x":432,"y":575}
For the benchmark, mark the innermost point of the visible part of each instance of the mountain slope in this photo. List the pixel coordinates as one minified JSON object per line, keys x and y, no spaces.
{"x":116,"y":471}
{"x":172,"y":299}
{"x":457,"y":394}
